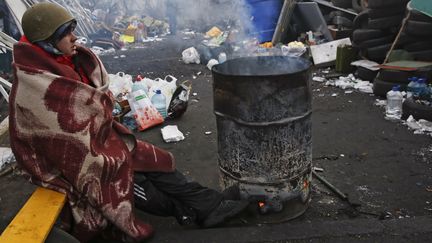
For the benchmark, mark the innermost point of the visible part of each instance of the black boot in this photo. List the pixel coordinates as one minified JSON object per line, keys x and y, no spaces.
{"x":224,"y":211}
{"x":231,"y":193}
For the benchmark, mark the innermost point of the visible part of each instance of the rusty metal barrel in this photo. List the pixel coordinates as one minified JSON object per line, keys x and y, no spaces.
{"x":263,"y":115}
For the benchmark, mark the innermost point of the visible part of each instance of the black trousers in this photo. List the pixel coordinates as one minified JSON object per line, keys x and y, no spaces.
{"x":171,"y":194}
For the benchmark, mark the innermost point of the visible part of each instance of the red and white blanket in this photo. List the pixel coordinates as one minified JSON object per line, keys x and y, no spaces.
{"x":64,"y":137}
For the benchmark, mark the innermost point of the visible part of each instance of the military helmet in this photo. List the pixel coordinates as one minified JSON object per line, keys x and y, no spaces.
{"x":42,"y":20}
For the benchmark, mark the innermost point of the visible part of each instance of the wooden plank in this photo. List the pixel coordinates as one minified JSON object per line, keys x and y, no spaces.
{"x":283,"y":21}
{"x":34,"y":221}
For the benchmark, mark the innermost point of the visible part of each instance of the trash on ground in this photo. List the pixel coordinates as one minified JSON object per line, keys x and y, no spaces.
{"x":318,"y":79}
{"x":324,"y":54}
{"x":351,"y":82}
{"x":191,"y":55}
{"x":420,"y":127}
{"x":371,"y":65}
{"x":214,"y":32}
{"x":6,"y":157}
{"x":294,"y":49}
{"x":171,"y":133}
{"x":208,"y":133}
{"x":211,"y":63}
{"x":318,"y":169}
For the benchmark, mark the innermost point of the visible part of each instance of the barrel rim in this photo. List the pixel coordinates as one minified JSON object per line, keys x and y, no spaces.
{"x":306,"y":61}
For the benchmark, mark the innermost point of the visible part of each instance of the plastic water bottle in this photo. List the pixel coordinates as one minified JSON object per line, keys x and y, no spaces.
{"x":138,"y":85}
{"x":422,"y":88}
{"x":411,"y":86}
{"x":222,"y":57}
{"x":159,"y":101}
{"x":394,"y":104}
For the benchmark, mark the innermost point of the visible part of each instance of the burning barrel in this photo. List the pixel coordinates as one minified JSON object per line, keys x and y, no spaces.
{"x":263,"y":114}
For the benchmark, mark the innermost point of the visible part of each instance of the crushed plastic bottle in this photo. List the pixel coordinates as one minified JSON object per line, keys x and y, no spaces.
{"x":411,"y":86}
{"x":394,"y":104}
{"x":159,"y":101}
{"x":222,"y":57}
{"x":422,"y":88}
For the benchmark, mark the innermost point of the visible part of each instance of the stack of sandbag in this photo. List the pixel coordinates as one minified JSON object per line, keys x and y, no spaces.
{"x":375,"y":29}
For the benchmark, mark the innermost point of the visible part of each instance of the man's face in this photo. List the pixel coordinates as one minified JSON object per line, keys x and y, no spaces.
{"x":67,"y":44}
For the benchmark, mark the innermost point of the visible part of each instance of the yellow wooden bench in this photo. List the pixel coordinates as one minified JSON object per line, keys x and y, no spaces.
{"x":36,"y":218}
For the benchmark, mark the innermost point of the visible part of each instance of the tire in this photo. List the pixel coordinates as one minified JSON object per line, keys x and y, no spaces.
{"x":360,"y":35}
{"x":359,"y":5}
{"x":386,"y":22}
{"x":361,"y":21}
{"x":377,"y":42}
{"x":342,"y":21}
{"x":424,"y":56}
{"x":342,"y":3}
{"x":380,"y":13}
{"x":378,"y":53}
{"x":395,"y":76}
{"x":366,"y":74}
{"x":418,"y":46}
{"x":406,"y":39}
{"x":418,"y":28}
{"x":380,"y":88}
{"x":419,"y":16}
{"x":386,"y":3}
{"x":418,"y":111}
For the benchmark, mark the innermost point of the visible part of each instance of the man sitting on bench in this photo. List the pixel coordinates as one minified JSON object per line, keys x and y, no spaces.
{"x":64,"y":137}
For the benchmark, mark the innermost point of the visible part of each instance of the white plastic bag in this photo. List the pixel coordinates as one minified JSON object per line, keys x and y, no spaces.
{"x":120,"y":83}
{"x":294,"y":49}
{"x":191,"y":55}
{"x":211,"y":63}
{"x":167,"y":86}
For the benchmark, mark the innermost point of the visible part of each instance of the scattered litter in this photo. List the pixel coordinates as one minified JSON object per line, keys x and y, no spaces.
{"x":349,"y":92}
{"x":366,"y":64}
{"x":429,"y":188}
{"x":6,"y":156}
{"x":214,"y":32}
{"x":116,"y":57}
{"x":318,"y":79}
{"x":208,"y":133}
{"x":122,"y":56}
{"x":191,"y":55}
{"x":171,"y":134}
{"x":380,"y":103}
{"x":194,"y":94}
{"x":318,"y":169}
{"x":101,"y":51}
{"x":420,"y":127}
{"x":334,"y":95}
{"x":294,"y":49}
{"x":351,"y":82}
{"x":211,"y":63}
{"x":342,"y":155}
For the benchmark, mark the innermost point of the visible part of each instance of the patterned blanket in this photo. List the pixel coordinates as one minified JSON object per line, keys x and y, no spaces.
{"x":64,"y":137}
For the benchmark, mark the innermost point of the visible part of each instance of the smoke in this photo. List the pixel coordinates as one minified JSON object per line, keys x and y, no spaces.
{"x":202,"y":15}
